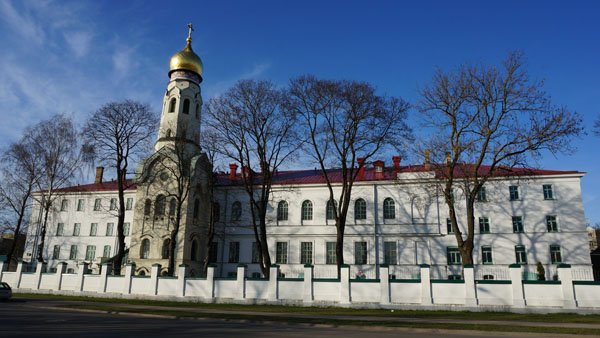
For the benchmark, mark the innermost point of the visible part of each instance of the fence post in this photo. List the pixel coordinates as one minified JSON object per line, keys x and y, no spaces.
{"x":565,"y":275}
{"x":83,"y":269}
{"x":38,"y":275}
{"x":345,"y":295}
{"x":210,"y":280}
{"x":384,"y":284}
{"x":426,"y":298}
{"x":307,"y":289}
{"x":104,"y":276}
{"x":470,"y":287}
{"x":241,"y":281}
{"x":273,"y":293}
{"x":516,"y":279}
{"x":181,"y":280}
{"x":129,"y":271}
{"x":19,"y":274}
{"x":2,"y":259}
{"x":154,"y":277}
{"x":61,"y":267}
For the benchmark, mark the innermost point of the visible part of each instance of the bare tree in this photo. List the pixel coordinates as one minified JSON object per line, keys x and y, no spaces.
{"x":251,"y":127}
{"x":118,"y":135}
{"x":597,"y":127}
{"x":486,"y":121}
{"x":345,"y":120}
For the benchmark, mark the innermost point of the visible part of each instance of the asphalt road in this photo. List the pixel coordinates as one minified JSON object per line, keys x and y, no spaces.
{"x":27,"y":319}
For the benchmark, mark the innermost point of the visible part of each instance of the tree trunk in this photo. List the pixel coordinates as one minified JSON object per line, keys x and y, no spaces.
{"x":173,"y":242}
{"x":40,"y":257}
{"x":17,"y":232}
{"x":266,"y":257}
{"x":466,"y":249}
{"x":339,"y":246}
{"x":118,"y":261}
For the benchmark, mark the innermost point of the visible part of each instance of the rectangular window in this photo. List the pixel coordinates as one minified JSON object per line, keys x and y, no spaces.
{"x":60,"y":227}
{"x":517,"y":223}
{"x":548,"y":193}
{"x":214,"y":252}
{"x":520,"y":254}
{"x":513,"y":191}
{"x":390,"y":253}
{"x":129,"y":204}
{"x":281,"y":253}
{"x":113,"y":204}
{"x":97,"y":204}
{"x":126,"y":229}
{"x":76,"y":229}
{"x":481,"y":195}
{"x":109,"y":229}
{"x":449,"y":226}
{"x":555,"y":255}
{"x":484,"y":225}
{"x":93,"y":229}
{"x":486,"y":255}
{"x":255,"y":253}
{"x":106,"y":251}
{"x":64,"y":205}
{"x":234,"y":252}
{"x":306,"y":253}
{"x":90,"y":253}
{"x":80,"y":205}
{"x":73,"y":253}
{"x":551,"y":223}
{"x":453,"y":255}
{"x":56,"y":252}
{"x":360,"y":252}
{"x":330,"y":255}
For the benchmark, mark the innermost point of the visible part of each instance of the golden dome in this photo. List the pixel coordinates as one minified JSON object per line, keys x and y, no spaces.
{"x":186,"y":59}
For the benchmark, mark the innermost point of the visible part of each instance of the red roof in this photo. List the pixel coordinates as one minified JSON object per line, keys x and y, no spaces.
{"x":104,"y":186}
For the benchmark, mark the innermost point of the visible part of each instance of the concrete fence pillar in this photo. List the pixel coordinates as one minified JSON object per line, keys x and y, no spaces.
{"x":345,"y":295}
{"x":210,"y":280}
{"x":154,"y":272}
{"x":81,"y":271}
{"x":104,"y":277}
{"x":241,"y":281}
{"x":470,"y":287}
{"x":2,"y":265}
{"x":273,"y":293}
{"x":181,"y":274}
{"x":61,"y":268}
{"x":565,"y":275}
{"x":19,"y":274}
{"x":307,"y":286}
{"x":516,"y":279}
{"x":384,"y":284}
{"x":426,"y":297}
{"x":38,"y":275}
{"x":129,"y":272}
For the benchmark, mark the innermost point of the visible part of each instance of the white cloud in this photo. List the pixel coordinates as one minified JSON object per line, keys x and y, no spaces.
{"x":22,"y":22}
{"x":79,"y":42}
{"x":218,"y":88}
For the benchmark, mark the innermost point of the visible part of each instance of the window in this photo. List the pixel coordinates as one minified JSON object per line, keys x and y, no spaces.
{"x":281,"y":253}
{"x":213,"y":253}
{"x":196,"y":207}
{"x":551,"y":223}
{"x":73,"y":253}
{"x":90,"y":253}
{"x":453,"y":255}
{"x":159,"y":205}
{"x":517,"y":223}
{"x":307,"y":210}
{"x":80,"y":205}
{"x":520,"y":254}
{"x":331,"y":255}
{"x":306,"y":252}
{"x":484,"y":225}
{"x":481,"y":195}
{"x":486,"y":255}
{"x":129,"y":204}
{"x":186,"y":106}
{"x":106,"y":252}
{"x":165,"y":249}
{"x":360,"y":209}
{"x":197,"y":110}
{"x":548,"y":193}
{"x":194,"y":252}
{"x":449,"y":226}
{"x":282,"y":211}
{"x":147,"y":207}
{"x":234,"y":252}
{"x":172,"y":105}
{"x":97,"y":204}
{"x":109,"y":229}
{"x":513,"y":191}
{"x":56,"y":252}
{"x":555,"y":256}
{"x":93,"y":229}
{"x":126,"y":229}
{"x":64,"y":205}
{"x":236,"y":211}
{"x":330,"y":210}
{"x":76,"y":229}
{"x":173,"y":206}
{"x":389,"y":209}
{"x":255,"y":253}
{"x":360,"y":252}
{"x":113,"y":204}
{"x":390,"y":253}
{"x":60,"y":227}
{"x":145,"y":249}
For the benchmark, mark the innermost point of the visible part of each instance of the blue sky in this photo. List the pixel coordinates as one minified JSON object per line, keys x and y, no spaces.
{"x":73,"y":56}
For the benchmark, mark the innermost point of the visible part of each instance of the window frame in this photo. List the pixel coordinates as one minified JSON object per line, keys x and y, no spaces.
{"x":281,"y":252}
{"x":56,"y":252}
{"x":389,"y":208}
{"x":73,"y":252}
{"x":97,"y":204}
{"x":555,"y":254}
{"x":548,"y":191}
{"x":453,"y":256}
{"x":234,"y":252}
{"x":306,"y":252}
{"x":145,"y":249}
{"x":552,"y":223}
{"x":129,"y":203}
{"x":236,"y":211}
{"x":361,"y":256}
{"x":93,"y":229}
{"x":520,"y":254}
{"x":90,"y":253}
{"x":360,"y":209}
{"x":282,"y":210}
{"x":513,"y":193}
{"x":306,"y":211}
{"x":390,"y":253}
{"x":330,"y":253}
{"x":482,"y":195}
{"x":80,"y":204}
{"x":487,"y":257}
{"x":60,"y":229}
{"x":104,"y":251}
{"x":64,"y":205}
{"x":517,"y":224}
{"x":484,"y":225}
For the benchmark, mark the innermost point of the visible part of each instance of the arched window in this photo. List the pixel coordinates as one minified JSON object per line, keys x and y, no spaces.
{"x":216,"y":209}
{"x":282,"y":211}
{"x":142,"y":273}
{"x":186,"y":106}
{"x":307,"y":210}
{"x":194,"y":251}
{"x":165,"y":248}
{"x":159,"y":205}
{"x":236,"y":211}
{"x":145,"y":249}
{"x":148,"y":207}
{"x":389,"y":209}
{"x":360,"y":209}
{"x":172,"y":206}
{"x":168,"y":132}
{"x":172,"y":105}
{"x":196,"y":208}
{"x":197,"y":110}
{"x":330,"y":210}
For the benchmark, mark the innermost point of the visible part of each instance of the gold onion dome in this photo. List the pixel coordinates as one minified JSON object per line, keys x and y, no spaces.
{"x":186,"y":59}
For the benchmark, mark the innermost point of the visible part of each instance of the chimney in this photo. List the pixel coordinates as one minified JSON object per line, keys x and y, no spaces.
{"x":232,"y":170}
{"x":99,"y":174}
{"x":361,"y":168}
{"x":427,"y":163}
{"x":246,"y":171}
{"x":379,"y":164}
{"x":396,"y":160}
